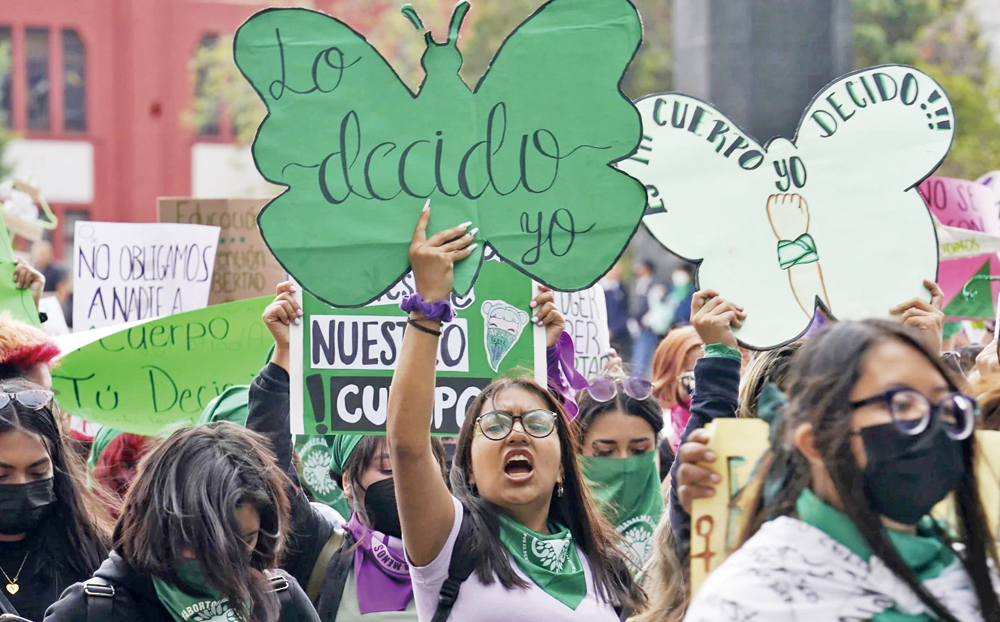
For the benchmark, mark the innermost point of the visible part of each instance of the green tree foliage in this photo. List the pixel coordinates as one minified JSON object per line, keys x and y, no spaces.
{"x":941,"y":38}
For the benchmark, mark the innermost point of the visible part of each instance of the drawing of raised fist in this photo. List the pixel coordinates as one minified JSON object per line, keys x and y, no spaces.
{"x":789,"y":217}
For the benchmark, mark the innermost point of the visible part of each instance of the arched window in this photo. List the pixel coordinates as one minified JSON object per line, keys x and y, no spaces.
{"x":74,"y":82}
{"x":39,"y":84}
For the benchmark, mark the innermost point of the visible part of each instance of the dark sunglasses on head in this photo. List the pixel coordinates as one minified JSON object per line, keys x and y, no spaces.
{"x":35,"y":399}
{"x":605,"y":389}
{"x":912,"y":413}
{"x":497,"y":425}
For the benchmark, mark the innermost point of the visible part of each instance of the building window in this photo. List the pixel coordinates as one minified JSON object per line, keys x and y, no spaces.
{"x":6,"y":57}
{"x":74,"y":82}
{"x":37,"y":59}
{"x":207,"y":100}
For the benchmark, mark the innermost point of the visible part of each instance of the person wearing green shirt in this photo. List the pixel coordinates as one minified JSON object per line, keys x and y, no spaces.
{"x":873,"y":435}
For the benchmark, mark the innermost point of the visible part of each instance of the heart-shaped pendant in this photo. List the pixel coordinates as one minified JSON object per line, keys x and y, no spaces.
{"x":12,"y":588}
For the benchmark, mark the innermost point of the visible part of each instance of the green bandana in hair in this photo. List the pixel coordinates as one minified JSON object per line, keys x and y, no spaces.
{"x":550,"y":561}
{"x":102,"y":439}
{"x":341,"y":448}
{"x":317,"y":459}
{"x":231,"y":405}
{"x":801,"y":250}
{"x":184,"y":607}
{"x":628,"y":492}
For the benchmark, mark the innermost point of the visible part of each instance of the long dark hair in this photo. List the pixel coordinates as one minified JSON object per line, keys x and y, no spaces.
{"x":590,"y":409}
{"x":184,"y":497}
{"x":76,"y":536}
{"x":823,"y":373}
{"x":575,"y":509}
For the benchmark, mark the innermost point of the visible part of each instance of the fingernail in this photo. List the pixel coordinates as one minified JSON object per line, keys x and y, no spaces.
{"x":465,"y":224}
{"x":427,"y":206}
{"x":294,"y":289}
{"x":300,"y":312}
{"x":709,"y":455}
{"x":472,"y":247}
{"x":298,"y":321}
{"x":715,"y":478}
{"x":534,"y":318}
{"x":534,"y":304}
{"x":473,"y":233}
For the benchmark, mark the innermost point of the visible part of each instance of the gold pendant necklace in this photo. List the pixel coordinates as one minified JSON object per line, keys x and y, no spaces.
{"x":12,"y":586}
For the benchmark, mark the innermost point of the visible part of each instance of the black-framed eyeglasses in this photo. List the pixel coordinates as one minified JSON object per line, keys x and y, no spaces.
{"x":605,"y":389}
{"x":912,"y":413}
{"x":497,"y":425}
{"x":35,"y":399}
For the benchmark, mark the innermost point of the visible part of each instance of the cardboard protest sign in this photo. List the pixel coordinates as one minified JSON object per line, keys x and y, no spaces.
{"x":524,"y":156}
{"x":586,"y":314}
{"x":970,"y":284}
{"x":17,"y":302}
{"x":717,"y":522}
{"x":992,"y":181}
{"x":342,"y":359}
{"x":124,"y":272}
{"x":778,"y":228}
{"x":154,"y":374}
{"x":244,"y":267}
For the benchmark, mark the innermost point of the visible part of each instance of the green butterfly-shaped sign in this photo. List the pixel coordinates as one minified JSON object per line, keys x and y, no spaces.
{"x":526,"y":156}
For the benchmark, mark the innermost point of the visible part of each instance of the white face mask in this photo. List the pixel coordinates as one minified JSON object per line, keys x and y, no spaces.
{"x":681,"y":278}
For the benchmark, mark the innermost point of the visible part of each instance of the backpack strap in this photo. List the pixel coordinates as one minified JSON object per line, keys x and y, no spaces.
{"x":460,"y":568}
{"x":332,"y":545}
{"x":100,"y":600}
{"x":334,"y":580}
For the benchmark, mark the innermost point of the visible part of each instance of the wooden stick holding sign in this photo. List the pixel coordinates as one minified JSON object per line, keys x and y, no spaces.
{"x":717,"y":522}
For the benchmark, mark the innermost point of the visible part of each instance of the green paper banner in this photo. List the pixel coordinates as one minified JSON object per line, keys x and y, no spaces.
{"x":343,"y":359}
{"x":160,"y":373}
{"x":525,"y":156}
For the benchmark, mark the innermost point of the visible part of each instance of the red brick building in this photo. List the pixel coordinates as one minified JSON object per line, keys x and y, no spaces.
{"x":96,"y":92}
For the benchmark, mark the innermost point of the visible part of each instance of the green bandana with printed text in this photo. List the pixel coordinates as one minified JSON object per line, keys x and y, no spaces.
{"x":552,"y":562}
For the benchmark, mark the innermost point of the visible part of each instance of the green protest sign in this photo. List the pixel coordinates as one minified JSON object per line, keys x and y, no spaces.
{"x":159,"y":373}
{"x":525,"y":156}
{"x":342,"y":359}
{"x":17,"y":302}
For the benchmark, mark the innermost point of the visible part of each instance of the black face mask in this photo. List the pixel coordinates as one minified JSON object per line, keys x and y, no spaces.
{"x":907,"y":475}
{"x":380,"y":505}
{"x":24,"y":506}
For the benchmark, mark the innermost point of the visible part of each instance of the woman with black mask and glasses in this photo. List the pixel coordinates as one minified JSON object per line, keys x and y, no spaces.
{"x":53,"y":530}
{"x":618,"y":428}
{"x":537,"y":544}
{"x":874,"y":434}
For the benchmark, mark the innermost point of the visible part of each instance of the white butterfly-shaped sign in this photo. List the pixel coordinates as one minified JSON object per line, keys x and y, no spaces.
{"x":832,"y":219}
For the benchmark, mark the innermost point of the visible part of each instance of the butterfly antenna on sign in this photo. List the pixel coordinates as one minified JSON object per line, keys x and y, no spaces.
{"x":457,"y":17}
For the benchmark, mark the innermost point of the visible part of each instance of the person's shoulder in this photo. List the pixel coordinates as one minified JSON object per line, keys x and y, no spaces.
{"x":71,"y":606}
{"x":296,"y":606}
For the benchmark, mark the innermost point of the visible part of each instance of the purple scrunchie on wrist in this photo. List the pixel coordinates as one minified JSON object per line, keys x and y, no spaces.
{"x":564,"y":379}
{"x":439,"y":310}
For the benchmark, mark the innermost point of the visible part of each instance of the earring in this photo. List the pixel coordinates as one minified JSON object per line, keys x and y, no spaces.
{"x":559,"y":489}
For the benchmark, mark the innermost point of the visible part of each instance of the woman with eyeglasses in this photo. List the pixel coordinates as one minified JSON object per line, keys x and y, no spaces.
{"x":618,"y":428}
{"x":539,"y":548}
{"x":53,"y":529}
{"x":673,"y":384}
{"x":874,"y":434}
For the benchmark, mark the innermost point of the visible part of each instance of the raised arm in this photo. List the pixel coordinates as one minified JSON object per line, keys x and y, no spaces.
{"x":426,"y":510}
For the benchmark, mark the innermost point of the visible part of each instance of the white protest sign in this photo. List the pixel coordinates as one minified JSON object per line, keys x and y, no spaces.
{"x":586,"y":315}
{"x":55,"y":325}
{"x":831,"y":219}
{"x":124,"y":272}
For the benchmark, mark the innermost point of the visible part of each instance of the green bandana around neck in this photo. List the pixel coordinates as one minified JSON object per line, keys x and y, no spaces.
{"x":185,"y":607}
{"x":551,"y":562}
{"x":801,"y":250}
{"x":628,"y":492}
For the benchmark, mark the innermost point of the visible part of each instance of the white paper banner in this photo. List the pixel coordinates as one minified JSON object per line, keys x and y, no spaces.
{"x":586,"y":314}
{"x":124,"y":272}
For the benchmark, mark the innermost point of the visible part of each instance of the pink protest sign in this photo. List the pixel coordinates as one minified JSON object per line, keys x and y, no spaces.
{"x":960,"y":203}
{"x":970,"y":285}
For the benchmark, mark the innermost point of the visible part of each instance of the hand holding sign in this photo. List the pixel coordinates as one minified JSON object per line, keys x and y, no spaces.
{"x":778,"y":227}
{"x":524,"y":158}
